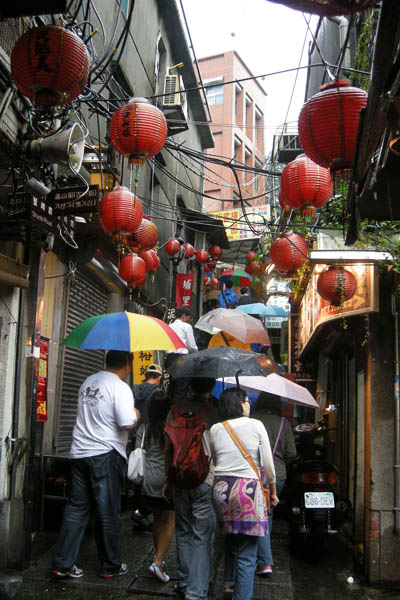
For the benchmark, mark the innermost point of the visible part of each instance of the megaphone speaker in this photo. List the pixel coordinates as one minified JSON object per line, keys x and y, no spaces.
{"x":63,"y":148}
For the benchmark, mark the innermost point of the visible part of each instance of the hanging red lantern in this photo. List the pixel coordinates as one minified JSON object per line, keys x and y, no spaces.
{"x":132,"y":268}
{"x":254,"y":268}
{"x":211,"y":265}
{"x":148,"y":260}
{"x":138,"y":130}
{"x":305,"y":182}
{"x":145,"y":237}
{"x":328,"y":125}
{"x":137,"y":283}
{"x":201,"y":256}
{"x":156,"y":260}
{"x":215,"y":282}
{"x":215,"y":252}
{"x":50,"y":65}
{"x":250,"y":256}
{"x":336,"y":285}
{"x":189,"y":250}
{"x":289,"y":251}
{"x":120,"y":212}
{"x":328,"y":8}
{"x":172,"y":246}
{"x":206,"y":281}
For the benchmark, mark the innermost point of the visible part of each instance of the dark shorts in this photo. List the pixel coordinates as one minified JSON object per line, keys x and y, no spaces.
{"x":156,"y":503}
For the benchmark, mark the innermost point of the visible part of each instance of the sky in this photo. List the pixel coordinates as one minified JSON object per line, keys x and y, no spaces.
{"x":268,"y":37}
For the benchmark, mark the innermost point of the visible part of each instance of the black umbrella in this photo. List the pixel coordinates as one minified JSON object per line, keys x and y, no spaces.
{"x":223,"y":361}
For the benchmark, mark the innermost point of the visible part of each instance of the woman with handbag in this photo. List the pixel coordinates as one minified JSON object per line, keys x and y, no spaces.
{"x":151,"y":437}
{"x":238,"y":445}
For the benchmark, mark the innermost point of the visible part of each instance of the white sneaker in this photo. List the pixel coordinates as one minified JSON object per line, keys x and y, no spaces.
{"x":159,"y":573}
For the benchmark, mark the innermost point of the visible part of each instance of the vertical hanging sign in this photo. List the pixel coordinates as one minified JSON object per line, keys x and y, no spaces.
{"x":141,"y":360}
{"x":184,"y":285}
{"x":41,"y":398}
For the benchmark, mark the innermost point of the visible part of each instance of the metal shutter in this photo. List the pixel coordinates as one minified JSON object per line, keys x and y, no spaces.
{"x":85,"y":300}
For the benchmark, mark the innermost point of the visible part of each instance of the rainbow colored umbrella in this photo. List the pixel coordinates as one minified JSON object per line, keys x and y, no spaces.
{"x":238,"y":277}
{"x":123,"y":331}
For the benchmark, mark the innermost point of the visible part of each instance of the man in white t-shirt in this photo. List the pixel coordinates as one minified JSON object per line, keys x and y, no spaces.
{"x":106,"y":411}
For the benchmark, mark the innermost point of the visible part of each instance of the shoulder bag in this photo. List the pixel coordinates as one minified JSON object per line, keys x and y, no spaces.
{"x":247,"y":456}
{"x":136,"y":460}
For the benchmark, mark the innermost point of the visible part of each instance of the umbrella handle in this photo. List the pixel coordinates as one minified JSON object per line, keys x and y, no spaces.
{"x":237,"y":377}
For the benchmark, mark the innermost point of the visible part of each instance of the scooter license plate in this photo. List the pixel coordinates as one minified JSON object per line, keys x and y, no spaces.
{"x":319,"y":500}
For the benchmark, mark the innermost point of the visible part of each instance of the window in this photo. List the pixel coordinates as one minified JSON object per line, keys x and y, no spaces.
{"x":236,"y":202}
{"x":215,"y":94}
{"x":259,"y":135}
{"x":238,"y":105}
{"x":249,"y":117}
{"x":259,"y":181}
{"x":238,"y":149}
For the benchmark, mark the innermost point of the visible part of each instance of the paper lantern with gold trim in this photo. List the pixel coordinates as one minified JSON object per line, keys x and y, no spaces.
{"x":120,"y":212}
{"x":138,"y":130}
{"x":145,"y":237}
{"x":289,"y":251}
{"x":132,"y":268}
{"x":336,"y":285}
{"x":305,"y":182}
{"x":201,"y":256}
{"x":50,"y":65}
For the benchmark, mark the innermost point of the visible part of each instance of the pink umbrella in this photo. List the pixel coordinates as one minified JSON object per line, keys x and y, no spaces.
{"x":243,"y":327}
{"x":275,"y":384}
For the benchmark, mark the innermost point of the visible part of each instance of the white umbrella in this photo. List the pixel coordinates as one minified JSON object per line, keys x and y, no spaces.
{"x":237,"y":323}
{"x":275,"y":384}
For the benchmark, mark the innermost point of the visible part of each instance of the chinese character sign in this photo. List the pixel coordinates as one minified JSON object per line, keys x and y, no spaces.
{"x":141,"y":360}
{"x":184,"y":285}
{"x":41,"y":398}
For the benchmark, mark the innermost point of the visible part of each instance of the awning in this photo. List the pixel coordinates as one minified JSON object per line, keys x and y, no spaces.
{"x":214,"y":228}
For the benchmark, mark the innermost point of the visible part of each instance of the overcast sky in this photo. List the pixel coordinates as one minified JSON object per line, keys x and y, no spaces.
{"x":269,"y":37}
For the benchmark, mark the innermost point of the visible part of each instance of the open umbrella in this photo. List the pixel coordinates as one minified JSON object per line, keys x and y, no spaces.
{"x":263,"y":310}
{"x":123,"y":331}
{"x":223,"y":361}
{"x":275,"y":384}
{"x":245,"y":328}
{"x":238,"y":277}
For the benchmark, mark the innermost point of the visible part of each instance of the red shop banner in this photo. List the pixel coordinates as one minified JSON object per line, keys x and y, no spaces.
{"x":184,"y":285}
{"x":41,"y":398}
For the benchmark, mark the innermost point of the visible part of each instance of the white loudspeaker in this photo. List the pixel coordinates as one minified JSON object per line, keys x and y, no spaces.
{"x":63,"y":148}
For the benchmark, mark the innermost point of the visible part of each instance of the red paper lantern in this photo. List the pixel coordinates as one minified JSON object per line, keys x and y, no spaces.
{"x":305,"y":182}
{"x":336,"y":285}
{"x":172,"y":246}
{"x":211,"y":265}
{"x":145,"y":237}
{"x":250,"y":256}
{"x":206,"y":281}
{"x":148,"y":260}
{"x":328,"y":125}
{"x":189,"y":250}
{"x":254,"y":268}
{"x":214,"y":282}
{"x":138,"y":130}
{"x":201,"y":256}
{"x":132,"y":268}
{"x":328,"y":8}
{"x":156,"y":260}
{"x":120,"y":211}
{"x":50,"y":65}
{"x":215,"y":252}
{"x":289,"y":251}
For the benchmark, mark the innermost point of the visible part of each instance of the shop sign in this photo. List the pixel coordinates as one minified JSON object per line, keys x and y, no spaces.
{"x":70,"y":201}
{"x":184,"y":287}
{"x":41,"y":397}
{"x":314,"y":310}
{"x":141,"y":360}
{"x":236,"y":226}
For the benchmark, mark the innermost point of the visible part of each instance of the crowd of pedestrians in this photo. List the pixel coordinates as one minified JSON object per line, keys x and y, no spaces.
{"x":187,"y":501}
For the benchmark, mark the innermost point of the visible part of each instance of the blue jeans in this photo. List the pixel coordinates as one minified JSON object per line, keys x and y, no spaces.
{"x":194,"y":534}
{"x":240,"y":563}
{"x":96,"y":485}
{"x":264,"y":553}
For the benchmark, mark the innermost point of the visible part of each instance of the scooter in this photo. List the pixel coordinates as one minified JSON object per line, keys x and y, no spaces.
{"x":315,"y":511}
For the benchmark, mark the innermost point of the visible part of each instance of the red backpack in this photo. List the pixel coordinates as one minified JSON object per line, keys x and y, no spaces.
{"x":188,"y":464}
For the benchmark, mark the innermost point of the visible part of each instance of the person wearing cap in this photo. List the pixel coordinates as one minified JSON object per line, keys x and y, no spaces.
{"x":145,"y":390}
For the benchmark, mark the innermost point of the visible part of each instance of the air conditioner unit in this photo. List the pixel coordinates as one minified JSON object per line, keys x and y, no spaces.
{"x":172,"y":91}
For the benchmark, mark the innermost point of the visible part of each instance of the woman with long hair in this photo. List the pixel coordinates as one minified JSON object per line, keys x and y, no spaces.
{"x":154,"y":478}
{"x":237,"y":494}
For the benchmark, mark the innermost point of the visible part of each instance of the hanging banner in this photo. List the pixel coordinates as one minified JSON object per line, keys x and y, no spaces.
{"x":41,"y":398}
{"x":141,"y":360}
{"x":184,"y":286}
{"x":236,"y":224}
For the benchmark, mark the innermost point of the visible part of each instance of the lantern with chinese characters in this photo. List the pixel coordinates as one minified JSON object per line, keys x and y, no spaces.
{"x":328,"y":125}
{"x":50,"y":65}
{"x":138,"y":130}
{"x":336,"y":285}
{"x":289,"y":251}
{"x":120,"y":212}
{"x":305,"y":182}
{"x":145,"y":237}
{"x":215,"y":252}
{"x":201,"y":256}
{"x":328,"y":8}
{"x":132,"y":268}
{"x":172,"y":247}
{"x":189,"y":250}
